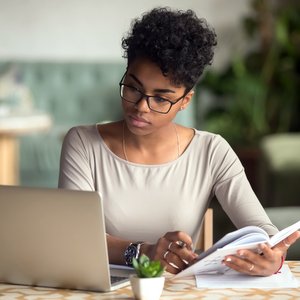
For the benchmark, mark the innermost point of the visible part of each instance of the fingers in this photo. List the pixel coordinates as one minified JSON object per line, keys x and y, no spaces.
{"x":264,"y":264}
{"x":180,"y":249}
{"x":268,"y":253}
{"x":174,"y":263}
{"x":252,"y":263}
{"x":174,"y":250}
{"x":244,"y":263}
{"x":287,"y":242}
{"x":245,"y":266}
{"x":180,"y":237}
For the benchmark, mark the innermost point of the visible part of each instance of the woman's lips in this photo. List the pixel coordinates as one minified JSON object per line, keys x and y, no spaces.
{"x":138,"y":122}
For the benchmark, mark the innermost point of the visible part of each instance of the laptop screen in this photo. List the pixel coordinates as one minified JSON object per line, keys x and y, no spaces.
{"x":53,"y":238}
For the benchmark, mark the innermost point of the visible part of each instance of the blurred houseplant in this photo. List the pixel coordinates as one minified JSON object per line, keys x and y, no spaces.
{"x":259,"y":93}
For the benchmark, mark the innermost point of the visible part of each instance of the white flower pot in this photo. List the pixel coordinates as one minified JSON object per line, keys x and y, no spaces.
{"x":147,"y":288}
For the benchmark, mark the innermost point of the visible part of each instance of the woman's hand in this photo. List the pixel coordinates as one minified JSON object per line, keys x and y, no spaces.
{"x":264,"y":264}
{"x":173,"y":250}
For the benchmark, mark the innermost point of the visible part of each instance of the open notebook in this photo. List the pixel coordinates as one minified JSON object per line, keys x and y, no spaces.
{"x":54,"y":238}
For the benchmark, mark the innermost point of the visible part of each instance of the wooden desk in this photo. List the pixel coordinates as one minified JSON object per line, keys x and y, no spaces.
{"x":177,"y":290}
{"x":12,"y":126}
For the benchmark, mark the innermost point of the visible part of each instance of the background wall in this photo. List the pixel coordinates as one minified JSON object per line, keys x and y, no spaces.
{"x":92,"y":29}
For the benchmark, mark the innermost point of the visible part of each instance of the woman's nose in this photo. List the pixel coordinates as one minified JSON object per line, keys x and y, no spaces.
{"x":142,"y":104}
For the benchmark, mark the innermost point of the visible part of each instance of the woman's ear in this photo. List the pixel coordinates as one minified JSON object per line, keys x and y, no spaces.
{"x":186,"y":100}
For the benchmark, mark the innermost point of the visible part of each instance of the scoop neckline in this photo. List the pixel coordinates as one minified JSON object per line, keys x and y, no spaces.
{"x":145,"y":165}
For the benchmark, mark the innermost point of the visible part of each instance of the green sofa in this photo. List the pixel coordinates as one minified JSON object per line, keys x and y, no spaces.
{"x":73,"y":94}
{"x":280,"y":181}
{"x":280,"y":170}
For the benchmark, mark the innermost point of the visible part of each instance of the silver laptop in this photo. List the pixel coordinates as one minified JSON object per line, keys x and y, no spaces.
{"x":55,"y":238}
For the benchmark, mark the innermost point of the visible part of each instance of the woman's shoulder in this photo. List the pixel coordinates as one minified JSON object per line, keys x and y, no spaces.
{"x":94,"y":130}
{"x":194,"y":138}
{"x":81,"y":131}
{"x":209,"y":143}
{"x":188,"y":131}
{"x":209,"y":138}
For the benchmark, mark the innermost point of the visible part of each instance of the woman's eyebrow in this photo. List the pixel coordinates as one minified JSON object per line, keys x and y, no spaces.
{"x":155,"y":90}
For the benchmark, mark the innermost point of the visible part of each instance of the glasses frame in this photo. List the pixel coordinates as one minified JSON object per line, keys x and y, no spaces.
{"x":143,"y":95}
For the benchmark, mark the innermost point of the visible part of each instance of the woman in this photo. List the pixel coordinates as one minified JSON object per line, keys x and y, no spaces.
{"x":156,"y":177}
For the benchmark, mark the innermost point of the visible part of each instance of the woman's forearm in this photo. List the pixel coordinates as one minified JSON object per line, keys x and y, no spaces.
{"x":116,"y":248}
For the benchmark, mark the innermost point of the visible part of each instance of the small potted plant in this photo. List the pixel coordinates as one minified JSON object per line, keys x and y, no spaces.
{"x":148,"y":282}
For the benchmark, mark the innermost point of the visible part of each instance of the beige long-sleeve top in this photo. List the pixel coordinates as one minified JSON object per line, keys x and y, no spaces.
{"x":143,"y":202}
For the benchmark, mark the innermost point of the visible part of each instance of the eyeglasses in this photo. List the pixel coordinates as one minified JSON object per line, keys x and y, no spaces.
{"x":155,"y":103}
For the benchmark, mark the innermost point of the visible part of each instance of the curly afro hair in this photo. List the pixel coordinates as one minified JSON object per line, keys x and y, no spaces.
{"x":180,"y":43}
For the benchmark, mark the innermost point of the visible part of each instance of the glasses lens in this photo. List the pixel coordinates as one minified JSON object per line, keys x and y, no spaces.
{"x":158,"y":104}
{"x":130,"y":94}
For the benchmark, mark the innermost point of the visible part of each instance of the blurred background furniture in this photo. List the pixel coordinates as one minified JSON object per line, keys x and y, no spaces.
{"x":283,"y":217}
{"x":72,"y":94}
{"x":278,"y":184}
{"x":280,"y":170}
{"x":12,"y":126}
{"x":280,"y":181}
{"x":205,"y":240}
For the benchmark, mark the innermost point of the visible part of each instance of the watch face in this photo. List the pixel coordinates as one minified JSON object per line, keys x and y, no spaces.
{"x":130,"y":253}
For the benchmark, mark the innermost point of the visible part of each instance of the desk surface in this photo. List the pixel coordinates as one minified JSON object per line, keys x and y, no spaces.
{"x":180,"y":289}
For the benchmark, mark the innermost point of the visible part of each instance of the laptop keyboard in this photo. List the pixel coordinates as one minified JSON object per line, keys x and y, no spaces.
{"x":115,"y":279}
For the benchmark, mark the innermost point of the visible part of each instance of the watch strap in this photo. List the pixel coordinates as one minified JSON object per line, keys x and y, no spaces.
{"x":132,"y":251}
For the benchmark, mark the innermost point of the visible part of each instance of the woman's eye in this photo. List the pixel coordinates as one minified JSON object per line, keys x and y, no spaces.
{"x":132,"y":89}
{"x":159,"y":100}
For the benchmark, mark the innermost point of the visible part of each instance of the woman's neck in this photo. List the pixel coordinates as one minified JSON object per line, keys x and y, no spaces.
{"x":161,"y":147}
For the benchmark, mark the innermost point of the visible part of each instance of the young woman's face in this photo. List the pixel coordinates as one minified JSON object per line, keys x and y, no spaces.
{"x":146,"y":77}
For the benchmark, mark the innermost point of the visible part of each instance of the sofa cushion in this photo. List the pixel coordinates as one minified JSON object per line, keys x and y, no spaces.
{"x":280,"y":169}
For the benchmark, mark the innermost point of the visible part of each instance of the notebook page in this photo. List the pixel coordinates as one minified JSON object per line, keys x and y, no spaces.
{"x":233,"y":279}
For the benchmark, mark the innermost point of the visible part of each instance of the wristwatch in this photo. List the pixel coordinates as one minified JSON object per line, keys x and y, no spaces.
{"x":132,"y":251}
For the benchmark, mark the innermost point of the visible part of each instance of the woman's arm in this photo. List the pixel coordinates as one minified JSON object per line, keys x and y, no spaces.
{"x":265,"y":264}
{"x":233,"y":191}
{"x":242,"y":206}
{"x":173,"y":250}
{"x":75,"y":170}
